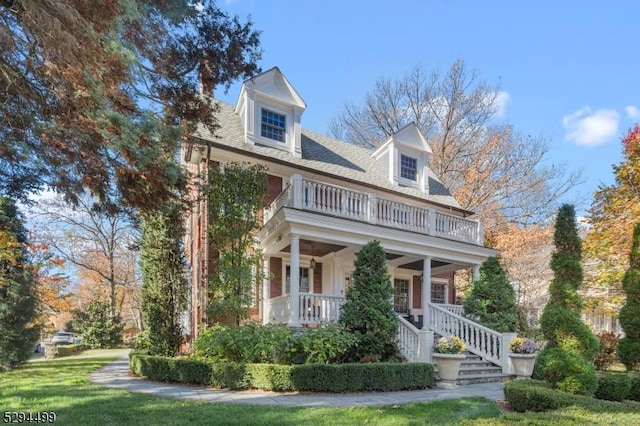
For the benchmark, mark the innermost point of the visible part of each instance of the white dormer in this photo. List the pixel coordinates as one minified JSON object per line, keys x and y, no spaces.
{"x":405,"y":156}
{"x":270,"y":109}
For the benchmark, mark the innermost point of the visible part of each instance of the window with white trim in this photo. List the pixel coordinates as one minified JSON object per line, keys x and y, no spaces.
{"x":408,"y":167}
{"x":304,"y":280}
{"x":273,"y":125}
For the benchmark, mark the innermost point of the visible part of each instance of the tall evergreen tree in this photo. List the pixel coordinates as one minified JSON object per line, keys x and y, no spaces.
{"x":629,"y":346}
{"x":164,"y":285}
{"x":368,"y":311}
{"x":566,"y":360}
{"x":492,"y":299}
{"x":19,"y":330}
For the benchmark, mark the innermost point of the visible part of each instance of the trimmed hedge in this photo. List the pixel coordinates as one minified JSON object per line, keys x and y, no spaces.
{"x":535,"y":395}
{"x":68,"y":350}
{"x":307,"y":377}
{"x":613,"y":386}
{"x":634,"y":392}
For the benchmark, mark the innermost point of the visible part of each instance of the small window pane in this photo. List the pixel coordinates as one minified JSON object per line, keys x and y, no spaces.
{"x":408,"y":167}
{"x":273,"y":125}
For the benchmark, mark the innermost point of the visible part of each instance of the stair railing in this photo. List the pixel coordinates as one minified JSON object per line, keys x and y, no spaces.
{"x":415,"y":345}
{"x":489,"y":344}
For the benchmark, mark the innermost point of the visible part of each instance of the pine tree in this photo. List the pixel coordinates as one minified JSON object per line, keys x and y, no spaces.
{"x":492,"y":299}
{"x":629,"y":346}
{"x":368,"y":311}
{"x":566,"y":360}
{"x":19,"y":330}
{"x":99,"y":328}
{"x":164,"y":285}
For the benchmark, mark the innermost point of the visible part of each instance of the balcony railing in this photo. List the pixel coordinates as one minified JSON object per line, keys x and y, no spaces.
{"x":307,"y":194}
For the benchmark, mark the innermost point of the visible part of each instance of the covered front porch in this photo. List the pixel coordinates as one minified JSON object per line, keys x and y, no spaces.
{"x":320,"y":309}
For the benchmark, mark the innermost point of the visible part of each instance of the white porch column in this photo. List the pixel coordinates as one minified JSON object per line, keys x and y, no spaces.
{"x":476,"y":272}
{"x":266,"y":293}
{"x":426,"y":291}
{"x":294,"y":280}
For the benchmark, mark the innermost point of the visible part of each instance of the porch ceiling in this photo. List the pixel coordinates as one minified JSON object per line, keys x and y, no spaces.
{"x":418,"y":265}
{"x":315,"y":248}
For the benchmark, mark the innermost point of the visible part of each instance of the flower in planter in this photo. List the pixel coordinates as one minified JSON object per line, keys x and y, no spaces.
{"x":521,"y":345}
{"x":450,"y":345}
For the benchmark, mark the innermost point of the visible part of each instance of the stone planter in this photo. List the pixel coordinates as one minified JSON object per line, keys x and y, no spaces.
{"x":523,"y":364}
{"x":448,"y":368}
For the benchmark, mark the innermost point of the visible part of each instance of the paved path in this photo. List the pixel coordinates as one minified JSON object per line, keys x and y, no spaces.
{"x":117,"y":375}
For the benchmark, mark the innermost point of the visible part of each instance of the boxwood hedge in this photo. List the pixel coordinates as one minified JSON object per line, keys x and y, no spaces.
{"x":306,"y":377}
{"x":68,"y":350}
{"x":535,"y":395}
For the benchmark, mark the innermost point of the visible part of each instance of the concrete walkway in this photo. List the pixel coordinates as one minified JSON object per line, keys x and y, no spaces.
{"x":117,"y":375}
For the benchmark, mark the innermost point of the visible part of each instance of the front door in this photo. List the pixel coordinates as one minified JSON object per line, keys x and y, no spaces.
{"x":401,"y":295}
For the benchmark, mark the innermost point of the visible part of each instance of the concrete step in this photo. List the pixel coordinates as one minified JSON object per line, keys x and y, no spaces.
{"x":483,"y":378}
{"x":474,"y":370}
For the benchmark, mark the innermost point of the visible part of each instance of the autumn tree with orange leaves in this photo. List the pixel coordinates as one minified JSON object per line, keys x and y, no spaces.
{"x":54,"y":286}
{"x":99,"y":245}
{"x":525,"y":254}
{"x":614,"y":212}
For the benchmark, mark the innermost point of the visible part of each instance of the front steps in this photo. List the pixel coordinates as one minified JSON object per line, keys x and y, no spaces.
{"x":475,"y":370}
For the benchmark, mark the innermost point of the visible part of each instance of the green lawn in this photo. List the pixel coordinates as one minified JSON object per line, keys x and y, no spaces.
{"x":62,"y":386}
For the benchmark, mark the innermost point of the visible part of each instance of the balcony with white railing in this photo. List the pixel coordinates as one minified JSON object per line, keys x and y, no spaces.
{"x":311,"y":195}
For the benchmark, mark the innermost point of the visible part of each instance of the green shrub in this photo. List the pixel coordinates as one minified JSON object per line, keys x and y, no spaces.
{"x":327,"y":344}
{"x":274,"y":344}
{"x":629,"y":353}
{"x":253,"y":343}
{"x":629,"y":316}
{"x":491,"y":298}
{"x":566,"y":369}
{"x":560,"y":324}
{"x":534,"y":395}
{"x":271,"y":377}
{"x":308,"y":377}
{"x":68,"y":350}
{"x":608,"y":352}
{"x":634,"y":390}
{"x":99,"y":329}
{"x":613,"y":386}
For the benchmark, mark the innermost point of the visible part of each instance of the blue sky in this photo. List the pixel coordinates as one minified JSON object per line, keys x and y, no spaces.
{"x":570,"y":69}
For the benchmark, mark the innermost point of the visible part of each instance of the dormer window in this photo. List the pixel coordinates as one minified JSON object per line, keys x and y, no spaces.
{"x":273,"y":125}
{"x":408,"y":167}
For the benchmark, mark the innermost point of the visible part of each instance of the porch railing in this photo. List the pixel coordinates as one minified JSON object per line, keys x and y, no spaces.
{"x":279,"y":309}
{"x":415,"y":345}
{"x":456,"y":309}
{"x":307,"y":194}
{"x":281,"y":200}
{"x":482,"y":341}
{"x":319,"y":308}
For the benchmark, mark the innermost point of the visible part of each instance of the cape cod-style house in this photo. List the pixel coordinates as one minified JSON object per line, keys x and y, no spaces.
{"x":327,"y":199}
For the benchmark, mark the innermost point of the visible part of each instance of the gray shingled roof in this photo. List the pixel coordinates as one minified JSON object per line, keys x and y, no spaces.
{"x":324,"y":155}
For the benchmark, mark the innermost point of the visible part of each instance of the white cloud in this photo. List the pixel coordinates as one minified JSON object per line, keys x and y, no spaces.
{"x":591,"y":128}
{"x":633,"y":111}
{"x":500,"y":104}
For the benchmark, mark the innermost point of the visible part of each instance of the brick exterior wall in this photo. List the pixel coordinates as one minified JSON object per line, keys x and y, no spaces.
{"x":317,"y":278}
{"x":275,"y":267}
